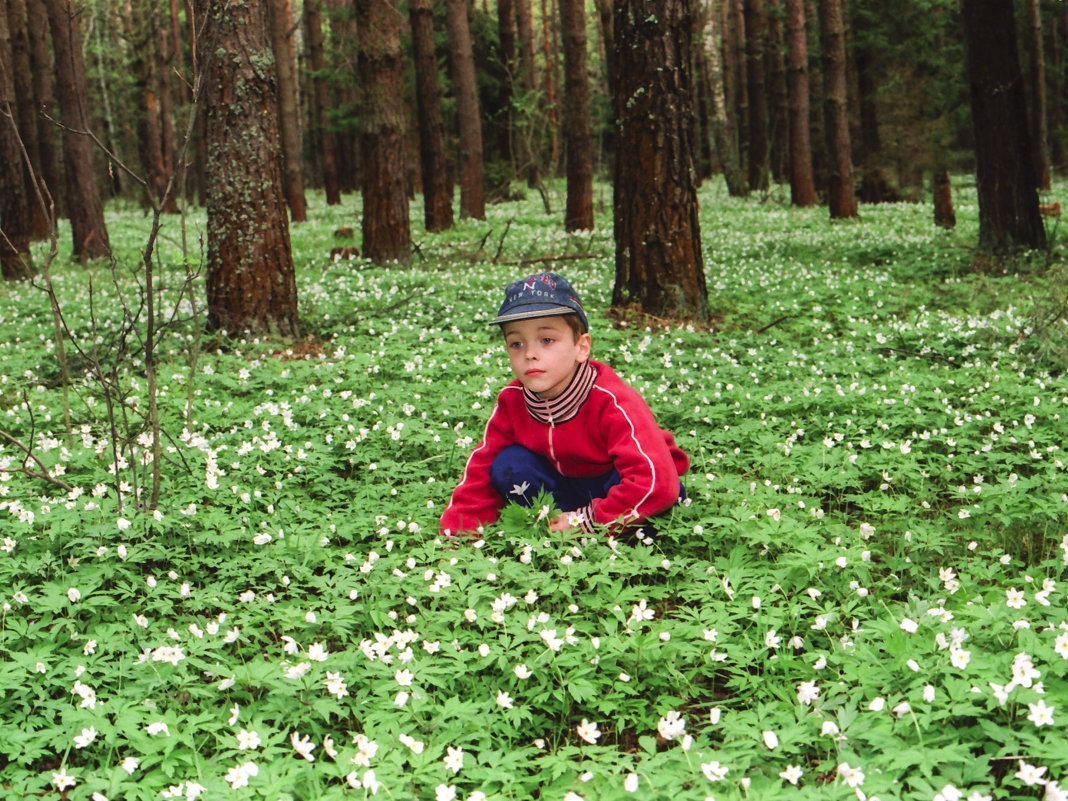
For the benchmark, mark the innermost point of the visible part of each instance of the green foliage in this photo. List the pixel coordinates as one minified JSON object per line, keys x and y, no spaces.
{"x":864,"y":592}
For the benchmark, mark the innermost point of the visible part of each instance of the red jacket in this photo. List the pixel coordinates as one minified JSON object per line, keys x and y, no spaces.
{"x":596,"y":424}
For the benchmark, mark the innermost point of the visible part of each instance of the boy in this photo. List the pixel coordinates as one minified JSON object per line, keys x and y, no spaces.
{"x":566,"y":424}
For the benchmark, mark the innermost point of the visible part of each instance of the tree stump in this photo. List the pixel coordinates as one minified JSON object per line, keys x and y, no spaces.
{"x":943,"y":201}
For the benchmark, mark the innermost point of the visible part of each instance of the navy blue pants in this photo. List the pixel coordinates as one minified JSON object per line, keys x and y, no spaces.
{"x":516,"y":466}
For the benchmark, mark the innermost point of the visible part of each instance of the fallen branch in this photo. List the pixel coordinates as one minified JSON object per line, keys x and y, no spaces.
{"x":45,"y":475}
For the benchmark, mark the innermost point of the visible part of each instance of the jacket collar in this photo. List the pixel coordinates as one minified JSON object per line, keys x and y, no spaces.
{"x":567,"y":404}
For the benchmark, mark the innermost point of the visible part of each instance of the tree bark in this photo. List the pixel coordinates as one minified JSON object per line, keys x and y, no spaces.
{"x":250,"y":277}
{"x":281,"y":29}
{"x":472,"y":189}
{"x":1004,"y":161}
{"x":841,"y":197}
{"x":659,"y":263}
{"x":755,"y":29}
{"x":142,"y":27}
{"x":579,"y":213}
{"x":1037,"y":79}
{"x":437,"y":188}
{"x":778,"y":96}
{"x":944,"y":217}
{"x":84,"y":207}
{"x":509,"y":72}
{"x":26,"y":115}
{"x":15,"y":219}
{"x":386,"y":228}
{"x":723,"y":128}
{"x":524,"y":20}
{"x":41,"y":68}
{"x":802,"y":185}
{"x":734,"y":75}
{"x":344,"y":44}
{"x":320,"y":100}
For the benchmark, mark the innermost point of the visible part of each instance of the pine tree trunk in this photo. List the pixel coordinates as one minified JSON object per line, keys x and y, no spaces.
{"x":509,"y":72}
{"x":841,"y":197}
{"x":579,"y":213}
{"x":755,"y":28}
{"x":659,"y":263}
{"x":472,"y":189}
{"x":141,"y":32}
{"x":84,"y":207}
{"x":280,"y":18}
{"x":734,"y":75}
{"x":778,"y":96}
{"x":44,"y":99}
{"x":437,"y":188}
{"x":387,"y":235}
{"x":250,"y":277}
{"x":320,"y":100}
{"x":343,"y":43}
{"x":802,"y":185}
{"x":1004,"y":161}
{"x":723,"y":128}
{"x":15,"y":219}
{"x":944,"y":216}
{"x":1037,"y":79}
{"x":524,"y":20}
{"x":26,"y":112}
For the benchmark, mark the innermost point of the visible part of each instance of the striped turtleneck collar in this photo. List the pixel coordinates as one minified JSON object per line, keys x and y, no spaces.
{"x":567,"y":404}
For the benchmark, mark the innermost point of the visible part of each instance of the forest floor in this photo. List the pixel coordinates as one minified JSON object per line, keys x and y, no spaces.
{"x":864,"y":594}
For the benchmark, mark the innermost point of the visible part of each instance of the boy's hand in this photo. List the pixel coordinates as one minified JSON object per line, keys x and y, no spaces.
{"x":562,"y":522}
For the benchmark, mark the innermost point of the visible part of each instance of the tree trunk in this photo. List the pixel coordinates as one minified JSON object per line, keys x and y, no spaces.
{"x":579,"y":213}
{"x":281,"y":28}
{"x":142,"y":27}
{"x":1004,"y":161}
{"x":1037,"y":79}
{"x":778,"y":96}
{"x":84,"y":207}
{"x":944,"y":217}
{"x":755,"y":26}
{"x":734,"y":75}
{"x":840,"y":192}
{"x":723,"y":128}
{"x":387,"y":235}
{"x":343,"y":44}
{"x":437,"y":188}
{"x":26,"y":113}
{"x":802,"y":186}
{"x":509,"y":72}
{"x":472,"y":190}
{"x":524,"y":20}
{"x":659,"y":264}
{"x":320,"y":100}
{"x":250,"y":276}
{"x":41,"y":68}
{"x":15,"y":219}
{"x":549,"y":58}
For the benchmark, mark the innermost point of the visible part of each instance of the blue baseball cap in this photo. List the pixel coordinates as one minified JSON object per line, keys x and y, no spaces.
{"x":539,"y":295}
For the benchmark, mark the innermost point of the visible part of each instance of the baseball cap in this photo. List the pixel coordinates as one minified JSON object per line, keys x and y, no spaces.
{"x":539,"y":295}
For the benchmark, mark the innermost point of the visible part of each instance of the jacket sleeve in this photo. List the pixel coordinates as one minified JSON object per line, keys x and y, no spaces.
{"x":474,"y":502}
{"x":646,"y":457}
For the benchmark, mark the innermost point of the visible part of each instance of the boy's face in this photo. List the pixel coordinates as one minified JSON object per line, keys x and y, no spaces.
{"x":544,"y":353}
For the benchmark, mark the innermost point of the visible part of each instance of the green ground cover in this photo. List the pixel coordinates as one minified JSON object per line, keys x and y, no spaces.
{"x":864,"y":595}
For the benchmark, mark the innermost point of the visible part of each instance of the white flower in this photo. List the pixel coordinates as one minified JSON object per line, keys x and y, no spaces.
{"x":522,"y":671}
{"x":454,"y":759}
{"x":123,"y":523}
{"x":247,"y":740}
{"x":130,"y":764}
{"x":238,"y":776}
{"x":909,"y":625}
{"x":414,"y":745}
{"x":158,"y":727}
{"x":404,"y":677}
{"x":853,"y":777}
{"x":792,"y":773}
{"x":86,"y":737}
{"x":74,"y":595}
{"x":317,"y":652}
{"x":948,"y":793}
{"x":1041,"y":714}
{"x":630,"y":784}
{"x":807,"y":692}
{"x":62,"y":780}
{"x":714,"y":771}
{"x":1031,"y":774}
{"x":444,"y":792}
{"x":588,"y":731}
{"x":771,"y":739}
{"x":830,"y":729}
{"x":302,"y":745}
{"x":504,"y":700}
{"x":1014,"y":598}
{"x":771,"y":639}
{"x":672,"y":725}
